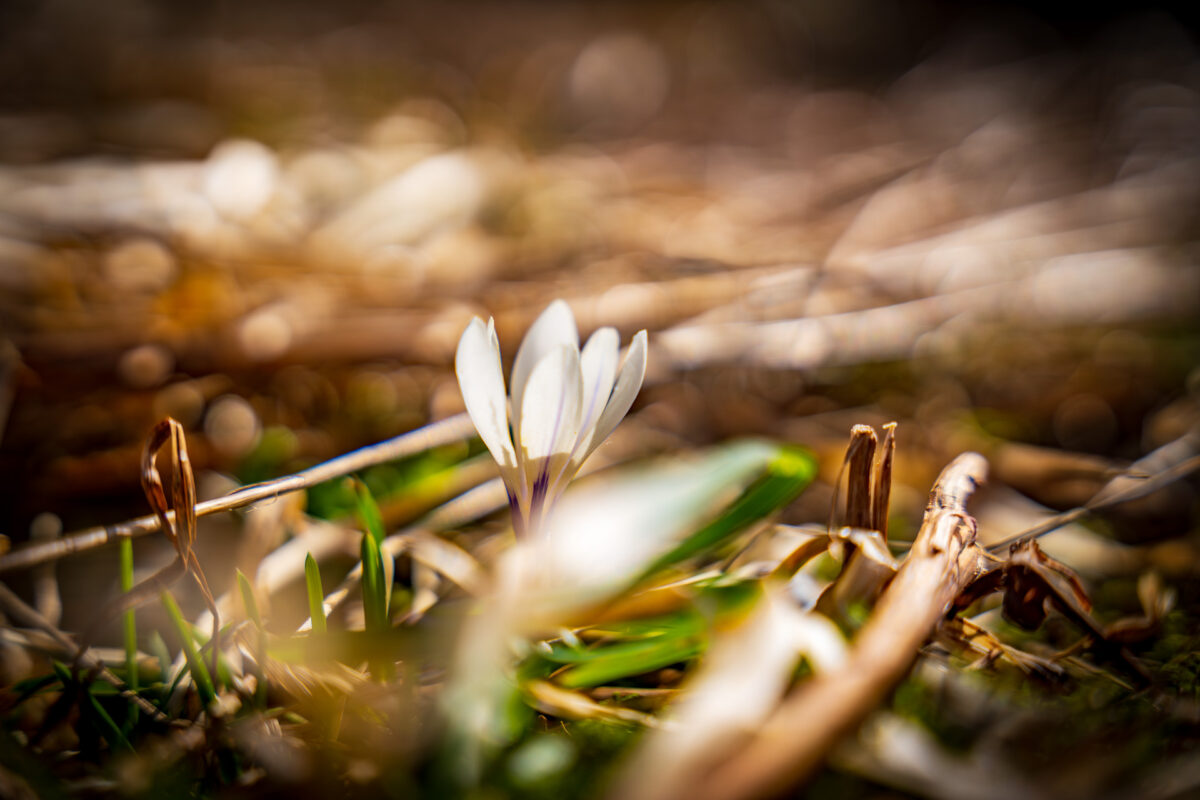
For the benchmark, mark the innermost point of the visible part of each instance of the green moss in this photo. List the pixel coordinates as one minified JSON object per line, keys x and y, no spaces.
{"x":916,"y":701}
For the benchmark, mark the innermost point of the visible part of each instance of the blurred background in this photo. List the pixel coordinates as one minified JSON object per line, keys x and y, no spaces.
{"x":273,"y":220}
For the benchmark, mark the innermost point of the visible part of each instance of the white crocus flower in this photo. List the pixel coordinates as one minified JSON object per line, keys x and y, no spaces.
{"x":564,"y":402}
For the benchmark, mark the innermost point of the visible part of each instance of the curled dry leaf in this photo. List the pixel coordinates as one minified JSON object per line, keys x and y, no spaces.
{"x":178,"y":523}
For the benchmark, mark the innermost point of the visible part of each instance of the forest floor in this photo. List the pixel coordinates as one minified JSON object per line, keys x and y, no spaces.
{"x":274,"y":227}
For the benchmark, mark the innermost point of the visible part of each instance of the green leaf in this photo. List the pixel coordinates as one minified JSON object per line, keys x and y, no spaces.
{"x":634,"y":658}
{"x":158,"y":648}
{"x":368,"y":511}
{"x":204,"y":684}
{"x":374,"y":594}
{"x":316,"y":594}
{"x":374,"y":598}
{"x":633,"y":647}
{"x":375,"y":588}
{"x":788,"y":474}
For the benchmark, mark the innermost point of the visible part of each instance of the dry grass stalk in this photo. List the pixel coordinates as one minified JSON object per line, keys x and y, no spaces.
{"x":868,"y":491}
{"x":799,"y":735}
{"x":881,"y":491}
{"x":860,"y":458}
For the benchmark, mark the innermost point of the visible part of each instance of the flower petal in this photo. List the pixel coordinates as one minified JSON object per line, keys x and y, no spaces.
{"x":629,"y":382}
{"x":554,"y":328}
{"x":494,"y":339}
{"x":481,"y":380}
{"x":599,"y":366}
{"x":550,"y":417}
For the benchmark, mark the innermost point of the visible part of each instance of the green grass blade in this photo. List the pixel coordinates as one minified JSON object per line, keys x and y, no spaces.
{"x":129,"y":625}
{"x":158,"y":649}
{"x":368,"y":511}
{"x":787,"y":475}
{"x":260,"y":651}
{"x":374,"y":598}
{"x":635,"y":647}
{"x":374,"y":594}
{"x":633,"y":658}
{"x":375,"y":588}
{"x":375,"y":584}
{"x":249,"y":602}
{"x":109,"y":730}
{"x":316,"y":594}
{"x":204,"y":684}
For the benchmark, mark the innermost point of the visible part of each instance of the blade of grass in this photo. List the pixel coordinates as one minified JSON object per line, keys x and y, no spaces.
{"x":116,"y":739}
{"x":633,"y":658}
{"x":260,"y":649}
{"x":204,"y":684}
{"x":368,"y":511}
{"x":129,"y":624}
{"x":374,"y":601}
{"x":158,"y":649}
{"x":787,"y":474}
{"x":316,"y":594}
{"x":634,"y":647}
{"x":372,"y":521}
{"x":223,"y":676}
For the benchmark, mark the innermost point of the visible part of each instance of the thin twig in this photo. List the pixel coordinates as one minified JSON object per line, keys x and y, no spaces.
{"x":1104,"y":499}
{"x":452,"y":429}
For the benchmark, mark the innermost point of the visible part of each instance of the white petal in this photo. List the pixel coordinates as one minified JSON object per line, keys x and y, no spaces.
{"x":550,"y":417}
{"x":493,"y":338}
{"x":599,"y":366}
{"x":481,"y":380}
{"x":554,"y":328}
{"x":629,"y":382}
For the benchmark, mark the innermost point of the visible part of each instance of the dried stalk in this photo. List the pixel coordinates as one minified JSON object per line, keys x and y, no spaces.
{"x":452,"y":429}
{"x":860,"y":458}
{"x":881,"y":491}
{"x":795,"y":740}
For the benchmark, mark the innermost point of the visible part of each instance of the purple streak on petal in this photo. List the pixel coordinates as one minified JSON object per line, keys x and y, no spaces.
{"x":517,"y":517}
{"x":538,"y":502}
{"x":540,"y":486}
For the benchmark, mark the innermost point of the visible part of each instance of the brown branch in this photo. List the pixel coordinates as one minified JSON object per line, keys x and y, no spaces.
{"x":795,"y":740}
